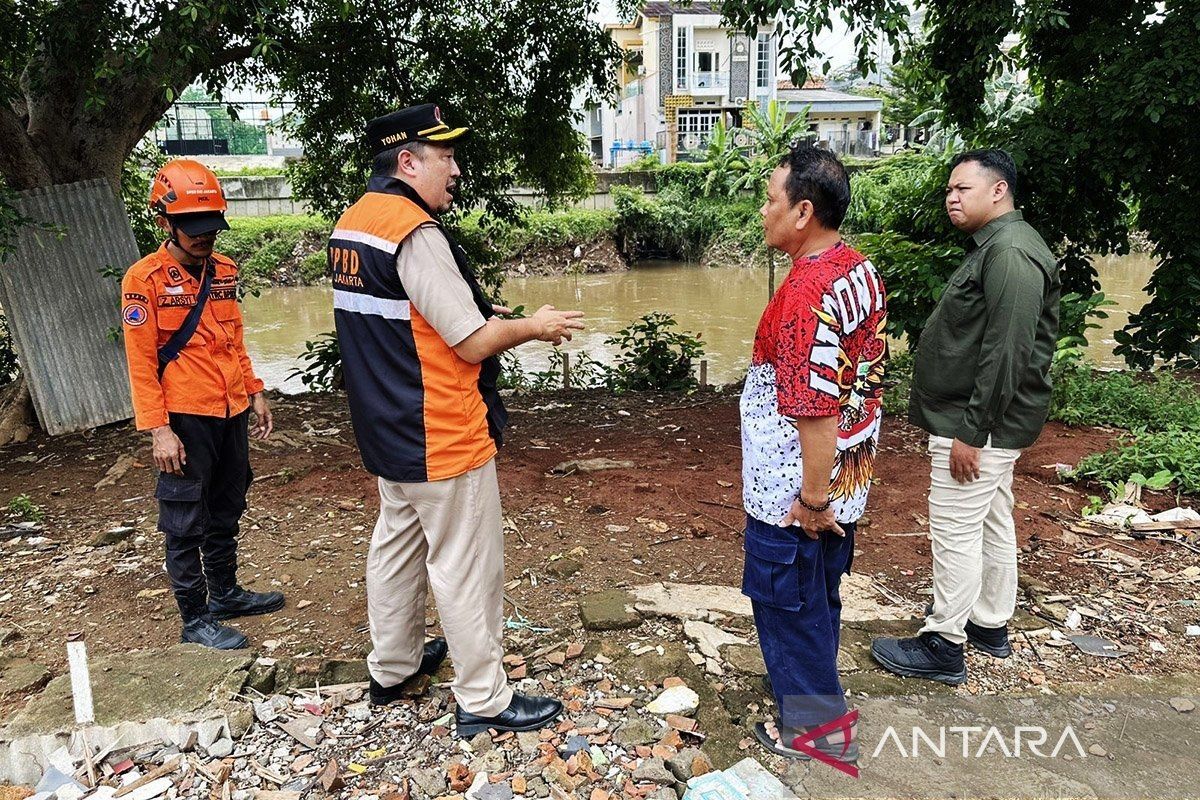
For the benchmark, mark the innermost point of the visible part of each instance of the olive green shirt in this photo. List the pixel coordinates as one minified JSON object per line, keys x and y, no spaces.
{"x":982,"y":367}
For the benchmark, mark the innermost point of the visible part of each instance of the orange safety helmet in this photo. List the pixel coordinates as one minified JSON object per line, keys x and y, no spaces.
{"x":185,"y":189}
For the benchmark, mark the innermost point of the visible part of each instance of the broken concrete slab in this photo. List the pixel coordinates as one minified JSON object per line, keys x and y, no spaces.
{"x":139,"y":697}
{"x":695,"y":601}
{"x":19,"y":675}
{"x":709,"y":639}
{"x":745,"y":659}
{"x":609,"y":610}
{"x":862,"y":601}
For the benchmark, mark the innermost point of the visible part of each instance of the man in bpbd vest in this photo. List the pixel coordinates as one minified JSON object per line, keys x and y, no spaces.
{"x":419,"y":343}
{"x":193,"y":389}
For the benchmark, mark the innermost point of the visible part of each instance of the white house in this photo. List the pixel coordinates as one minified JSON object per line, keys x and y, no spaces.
{"x":683,"y":71}
{"x":848,"y":124}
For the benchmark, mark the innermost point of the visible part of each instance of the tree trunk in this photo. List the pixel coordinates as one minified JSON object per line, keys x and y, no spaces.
{"x":16,"y":412}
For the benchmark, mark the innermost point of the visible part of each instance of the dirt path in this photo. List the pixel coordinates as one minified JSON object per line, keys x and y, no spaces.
{"x":674,"y":516}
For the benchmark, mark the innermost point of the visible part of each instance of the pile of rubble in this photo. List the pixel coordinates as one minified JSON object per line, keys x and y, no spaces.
{"x":615,"y":740}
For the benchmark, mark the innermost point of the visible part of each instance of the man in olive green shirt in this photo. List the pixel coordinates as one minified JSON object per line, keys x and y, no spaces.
{"x":981,"y":388}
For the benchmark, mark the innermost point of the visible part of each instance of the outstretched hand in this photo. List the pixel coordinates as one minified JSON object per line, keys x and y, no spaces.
{"x":554,"y":326}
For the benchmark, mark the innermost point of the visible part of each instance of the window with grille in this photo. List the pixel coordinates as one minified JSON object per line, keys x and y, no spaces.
{"x":766,"y":61}
{"x":681,"y":58}
{"x":695,"y":127}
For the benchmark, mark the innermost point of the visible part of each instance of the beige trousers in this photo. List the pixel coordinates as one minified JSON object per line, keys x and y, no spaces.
{"x":974,"y":542}
{"x":447,"y":535}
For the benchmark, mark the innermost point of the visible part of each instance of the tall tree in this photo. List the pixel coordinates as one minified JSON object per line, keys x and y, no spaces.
{"x":1114,"y":138}
{"x":81,"y":82}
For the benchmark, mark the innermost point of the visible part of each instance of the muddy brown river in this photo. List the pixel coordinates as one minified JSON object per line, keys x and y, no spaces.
{"x":721,"y":303}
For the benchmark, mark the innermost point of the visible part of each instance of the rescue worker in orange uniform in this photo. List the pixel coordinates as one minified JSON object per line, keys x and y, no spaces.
{"x":193,"y":389}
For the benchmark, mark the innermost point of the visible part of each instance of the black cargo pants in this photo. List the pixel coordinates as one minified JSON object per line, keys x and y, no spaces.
{"x":199,"y":512}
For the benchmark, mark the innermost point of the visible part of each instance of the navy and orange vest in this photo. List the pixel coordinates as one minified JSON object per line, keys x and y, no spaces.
{"x":420,"y":412}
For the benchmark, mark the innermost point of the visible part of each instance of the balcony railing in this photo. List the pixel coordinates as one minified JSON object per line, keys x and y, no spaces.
{"x":703,"y":81}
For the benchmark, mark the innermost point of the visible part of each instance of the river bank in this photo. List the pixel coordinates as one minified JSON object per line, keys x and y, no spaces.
{"x":672,"y":512}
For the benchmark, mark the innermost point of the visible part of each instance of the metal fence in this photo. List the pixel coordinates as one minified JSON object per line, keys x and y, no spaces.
{"x":212,"y":128}
{"x":62,"y":307}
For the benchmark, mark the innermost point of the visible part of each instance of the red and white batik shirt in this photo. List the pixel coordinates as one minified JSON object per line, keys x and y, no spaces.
{"x":820,"y":350}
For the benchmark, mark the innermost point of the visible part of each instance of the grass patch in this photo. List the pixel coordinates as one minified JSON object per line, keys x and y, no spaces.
{"x":261,"y":244}
{"x":1148,"y":453}
{"x":251,"y":172}
{"x":1160,"y":410}
{"x":898,"y":384}
{"x":1134,"y":401}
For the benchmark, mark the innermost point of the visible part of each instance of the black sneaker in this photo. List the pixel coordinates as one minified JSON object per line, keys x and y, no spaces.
{"x":435,"y":653}
{"x":928,"y":656}
{"x":993,"y":641}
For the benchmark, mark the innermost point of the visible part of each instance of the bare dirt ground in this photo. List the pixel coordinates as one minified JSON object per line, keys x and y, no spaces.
{"x":674,"y":516}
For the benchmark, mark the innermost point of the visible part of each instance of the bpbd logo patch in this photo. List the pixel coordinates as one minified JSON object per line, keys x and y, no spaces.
{"x":134,"y":314}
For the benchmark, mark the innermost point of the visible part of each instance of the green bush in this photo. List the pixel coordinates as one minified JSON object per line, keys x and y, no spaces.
{"x":677,"y":224}
{"x":646,"y":163}
{"x":322,"y":367}
{"x":1173,"y":451}
{"x":314,"y":267}
{"x":22,"y":508}
{"x":273,"y":251}
{"x":896,"y":218}
{"x":686,"y":175}
{"x":1154,"y":402}
{"x":261,"y":244}
{"x":247,"y":234}
{"x":652,"y":357}
{"x":494,"y":240}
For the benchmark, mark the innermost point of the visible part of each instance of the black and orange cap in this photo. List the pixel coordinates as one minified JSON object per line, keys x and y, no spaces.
{"x":421,"y":123}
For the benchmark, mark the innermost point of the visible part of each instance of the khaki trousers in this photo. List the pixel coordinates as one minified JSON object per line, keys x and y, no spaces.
{"x":974,"y":542}
{"x":447,"y":535}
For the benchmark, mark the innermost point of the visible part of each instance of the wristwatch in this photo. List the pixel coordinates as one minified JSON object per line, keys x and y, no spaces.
{"x":818,"y":509}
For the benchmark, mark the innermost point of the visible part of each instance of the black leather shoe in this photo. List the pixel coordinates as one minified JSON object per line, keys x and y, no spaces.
{"x":199,"y":627}
{"x":435,"y":653}
{"x":929,"y":655}
{"x":993,"y":641}
{"x":524,"y":713}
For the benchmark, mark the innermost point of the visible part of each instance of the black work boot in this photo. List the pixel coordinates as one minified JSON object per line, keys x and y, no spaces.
{"x":227,"y":600}
{"x":431,"y":658}
{"x":929,"y":655}
{"x":199,"y":627}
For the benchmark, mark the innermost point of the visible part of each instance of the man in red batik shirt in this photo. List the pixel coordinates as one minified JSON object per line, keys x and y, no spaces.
{"x":810,"y":413}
